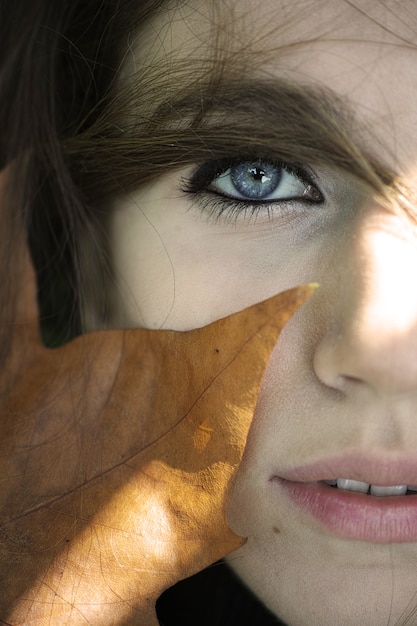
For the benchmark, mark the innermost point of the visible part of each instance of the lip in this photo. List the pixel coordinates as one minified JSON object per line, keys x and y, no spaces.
{"x":363,"y":467}
{"x":350,"y":515}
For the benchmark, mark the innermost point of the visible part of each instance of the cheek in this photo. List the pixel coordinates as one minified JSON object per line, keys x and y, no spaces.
{"x":189,"y":286}
{"x":278,"y":429}
{"x":271,"y":563}
{"x":144,"y":275}
{"x":177,"y":271}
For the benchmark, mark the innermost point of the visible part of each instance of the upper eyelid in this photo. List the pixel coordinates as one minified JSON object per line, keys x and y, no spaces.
{"x":206,"y":172}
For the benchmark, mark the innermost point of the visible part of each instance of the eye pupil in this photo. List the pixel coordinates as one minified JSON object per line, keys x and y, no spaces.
{"x":259,"y":175}
{"x":255,"y":180}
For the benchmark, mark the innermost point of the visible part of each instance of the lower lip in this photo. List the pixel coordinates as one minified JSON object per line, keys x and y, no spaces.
{"x":390,"y":519}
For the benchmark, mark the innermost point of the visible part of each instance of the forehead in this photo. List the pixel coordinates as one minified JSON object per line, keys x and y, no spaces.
{"x":364,"y":50}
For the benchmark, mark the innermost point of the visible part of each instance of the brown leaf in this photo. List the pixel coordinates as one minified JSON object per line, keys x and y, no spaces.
{"x":118,"y":451}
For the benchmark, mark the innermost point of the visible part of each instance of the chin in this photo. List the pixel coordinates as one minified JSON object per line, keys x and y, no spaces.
{"x":315,"y":584}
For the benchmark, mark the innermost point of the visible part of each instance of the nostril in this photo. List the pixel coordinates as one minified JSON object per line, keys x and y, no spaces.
{"x":350,"y":379}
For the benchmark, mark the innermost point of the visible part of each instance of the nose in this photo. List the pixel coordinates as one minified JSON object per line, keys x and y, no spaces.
{"x":371,"y":332}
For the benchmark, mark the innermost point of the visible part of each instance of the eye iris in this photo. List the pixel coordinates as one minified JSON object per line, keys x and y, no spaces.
{"x":255,"y":180}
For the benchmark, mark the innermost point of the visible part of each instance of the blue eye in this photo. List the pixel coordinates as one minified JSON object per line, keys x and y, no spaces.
{"x":263,"y":181}
{"x":254,"y":181}
{"x":249,"y":180}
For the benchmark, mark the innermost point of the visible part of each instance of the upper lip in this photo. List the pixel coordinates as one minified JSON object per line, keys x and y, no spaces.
{"x":363,"y":467}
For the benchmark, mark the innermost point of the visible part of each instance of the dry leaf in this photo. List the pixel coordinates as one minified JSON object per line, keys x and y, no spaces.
{"x":117,"y":456}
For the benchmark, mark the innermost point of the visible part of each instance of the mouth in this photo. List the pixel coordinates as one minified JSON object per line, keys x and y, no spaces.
{"x":382,"y":509}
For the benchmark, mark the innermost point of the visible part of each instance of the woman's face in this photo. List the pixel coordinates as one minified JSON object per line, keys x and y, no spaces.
{"x":339,"y":398}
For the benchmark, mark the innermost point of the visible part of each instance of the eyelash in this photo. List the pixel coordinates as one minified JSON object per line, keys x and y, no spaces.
{"x":219,"y":204}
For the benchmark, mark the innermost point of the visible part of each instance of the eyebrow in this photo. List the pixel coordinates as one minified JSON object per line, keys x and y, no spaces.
{"x":276,"y":119}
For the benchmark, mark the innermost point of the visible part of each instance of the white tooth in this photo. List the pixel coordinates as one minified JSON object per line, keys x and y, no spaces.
{"x":395,"y":490}
{"x":352,"y":485}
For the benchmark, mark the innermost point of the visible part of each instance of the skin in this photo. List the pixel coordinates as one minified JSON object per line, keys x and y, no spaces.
{"x":343,"y":377}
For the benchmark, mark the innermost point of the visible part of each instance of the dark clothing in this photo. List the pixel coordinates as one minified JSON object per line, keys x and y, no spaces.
{"x":215,"y":597}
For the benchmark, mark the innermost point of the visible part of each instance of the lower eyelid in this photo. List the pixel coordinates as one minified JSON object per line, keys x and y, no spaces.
{"x":225,"y":210}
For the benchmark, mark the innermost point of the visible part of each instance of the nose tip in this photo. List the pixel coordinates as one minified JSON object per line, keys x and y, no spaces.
{"x":372,"y":338}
